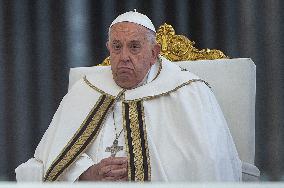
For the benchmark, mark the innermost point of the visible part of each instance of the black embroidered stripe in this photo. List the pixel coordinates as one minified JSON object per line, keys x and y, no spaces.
{"x":129,"y":139}
{"x":136,"y":141}
{"x":86,"y":143}
{"x":76,"y":136}
{"x":89,"y":119}
{"x":143,"y":147}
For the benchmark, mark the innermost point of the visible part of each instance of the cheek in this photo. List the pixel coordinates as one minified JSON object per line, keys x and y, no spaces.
{"x":144,"y":61}
{"x":114,"y":62}
{"x":142,"y":66}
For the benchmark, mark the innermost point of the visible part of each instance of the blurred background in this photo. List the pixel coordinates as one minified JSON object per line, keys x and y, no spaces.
{"x":40,"y":40}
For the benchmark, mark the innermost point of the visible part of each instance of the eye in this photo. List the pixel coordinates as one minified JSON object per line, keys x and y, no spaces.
{"x":135,"y":47}
{"x":116,"y":46}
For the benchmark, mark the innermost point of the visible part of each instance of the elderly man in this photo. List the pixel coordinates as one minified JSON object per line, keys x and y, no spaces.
{"x":141,"y":119}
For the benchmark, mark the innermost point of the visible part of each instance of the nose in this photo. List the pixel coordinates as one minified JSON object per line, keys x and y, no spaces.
{"x":124,"y":55}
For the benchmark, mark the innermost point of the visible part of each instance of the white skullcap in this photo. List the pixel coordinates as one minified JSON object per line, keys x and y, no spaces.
{"x":134,"y":17}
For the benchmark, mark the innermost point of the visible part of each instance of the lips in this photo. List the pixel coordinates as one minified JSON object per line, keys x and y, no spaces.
{"x":124,"y":70}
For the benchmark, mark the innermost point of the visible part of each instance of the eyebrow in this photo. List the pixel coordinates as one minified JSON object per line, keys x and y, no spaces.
{"x":116,"y":41}
{"x":132,"y":41}
{"x":135,"y":41}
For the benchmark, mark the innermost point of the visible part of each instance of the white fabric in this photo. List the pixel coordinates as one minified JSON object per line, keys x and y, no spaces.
{"x":233,"y":82}
{"x":187,"y":134}
{"x":250,"y":172}
{"x":135,"y":17}
{"x":32,"y":170}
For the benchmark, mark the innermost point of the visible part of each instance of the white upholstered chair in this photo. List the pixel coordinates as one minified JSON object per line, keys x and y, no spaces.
{"x":233,"y":82}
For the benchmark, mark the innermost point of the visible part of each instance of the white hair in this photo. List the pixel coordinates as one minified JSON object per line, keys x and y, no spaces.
{"x":151,"y":35}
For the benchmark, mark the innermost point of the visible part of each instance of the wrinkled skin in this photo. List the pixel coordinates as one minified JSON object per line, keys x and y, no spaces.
{"x":108,"y":169}
{"x":131,"y":53}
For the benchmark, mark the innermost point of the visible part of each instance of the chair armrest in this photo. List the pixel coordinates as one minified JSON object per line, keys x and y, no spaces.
{"x":32,"y":170}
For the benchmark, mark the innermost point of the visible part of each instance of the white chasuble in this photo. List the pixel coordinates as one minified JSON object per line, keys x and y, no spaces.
{"x":172,"y":129}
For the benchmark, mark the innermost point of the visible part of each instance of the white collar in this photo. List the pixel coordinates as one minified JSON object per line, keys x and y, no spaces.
{"x":170,"y":76}
{"x":151,"y":75}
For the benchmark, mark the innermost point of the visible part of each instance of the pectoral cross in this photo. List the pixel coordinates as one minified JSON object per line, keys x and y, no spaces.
{"x":114,"y":148}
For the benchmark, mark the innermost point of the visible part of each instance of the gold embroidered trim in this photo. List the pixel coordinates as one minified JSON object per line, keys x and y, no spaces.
{"x":147,"y":97}
{"x":136,"y":142}
{"x":160,"y":68}
{"x":168,"y":92}
{"x":126,"y":140}
{"x":139,"y":167}
{"x":95,"y":88}
{"x":56,"y":170}
{"x":146,"y":142}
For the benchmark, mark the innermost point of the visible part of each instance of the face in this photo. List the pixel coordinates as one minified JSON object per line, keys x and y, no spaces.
{"x":131,"y":53}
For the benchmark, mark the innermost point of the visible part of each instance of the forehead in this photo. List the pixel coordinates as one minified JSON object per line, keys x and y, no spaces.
{"x":127,"y":30}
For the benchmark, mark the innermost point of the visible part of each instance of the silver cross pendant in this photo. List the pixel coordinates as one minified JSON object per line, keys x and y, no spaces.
{"x":114,"y":149}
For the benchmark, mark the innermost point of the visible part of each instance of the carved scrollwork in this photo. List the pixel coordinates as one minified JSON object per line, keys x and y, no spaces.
{"x":106,"y":62}
{"x":179,"y":48}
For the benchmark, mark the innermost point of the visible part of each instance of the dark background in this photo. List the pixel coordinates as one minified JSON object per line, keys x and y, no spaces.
{"x":41,"y":39}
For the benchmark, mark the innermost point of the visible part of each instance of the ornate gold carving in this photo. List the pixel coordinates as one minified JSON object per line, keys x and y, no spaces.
{"x":179,"y":48}
{"x":106,"y":62}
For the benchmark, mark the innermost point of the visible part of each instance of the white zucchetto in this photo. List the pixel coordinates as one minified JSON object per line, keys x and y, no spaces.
{"x":135,"y":17}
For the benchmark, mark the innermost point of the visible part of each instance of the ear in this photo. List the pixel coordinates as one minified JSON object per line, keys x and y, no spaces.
{"x":107,"y":45}
{"x":155,"y":52}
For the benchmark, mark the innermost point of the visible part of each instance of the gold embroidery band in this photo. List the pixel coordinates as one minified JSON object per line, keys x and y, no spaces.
{"x":81,"y":139}
{"x":139,"y":168}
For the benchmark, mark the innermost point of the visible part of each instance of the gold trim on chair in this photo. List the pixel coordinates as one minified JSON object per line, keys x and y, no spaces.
{"x":179,"y":48}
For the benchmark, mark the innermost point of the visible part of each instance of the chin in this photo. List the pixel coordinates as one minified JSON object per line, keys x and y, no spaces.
{"x":126,"y":87}
{"x":125,"y":84}
{"x":126,"y":81}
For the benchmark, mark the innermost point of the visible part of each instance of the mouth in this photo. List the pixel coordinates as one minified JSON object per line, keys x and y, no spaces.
{"x":124,"y":73}
{"x":124,"y":70}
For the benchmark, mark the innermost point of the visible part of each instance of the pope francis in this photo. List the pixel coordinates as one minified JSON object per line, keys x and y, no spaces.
{"x":140,"y":119}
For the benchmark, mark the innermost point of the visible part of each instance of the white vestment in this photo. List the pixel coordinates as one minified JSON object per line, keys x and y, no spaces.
{"x":186,"y":134}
